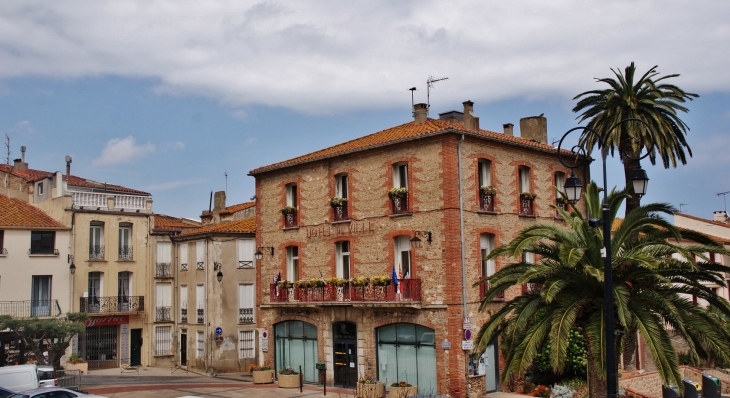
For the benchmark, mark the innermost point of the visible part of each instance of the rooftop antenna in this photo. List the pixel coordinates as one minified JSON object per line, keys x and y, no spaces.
{"x":429,"y":84}
{"x":226,"y":174}
{"x":723,"y":198}
{"x":680,"y":206}
{"x":7,"y":145}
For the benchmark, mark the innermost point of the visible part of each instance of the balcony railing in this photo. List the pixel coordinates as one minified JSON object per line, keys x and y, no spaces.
{"x":484,"y":288}
{"x":45,"y":251}
{"x":245,"y":315}
{"x":100,"y":200}
{"x":113,"y":304}
{"x":531,"y":287}
{"x":201,"y":315}
{"x":184,"y":315}
{"x":409,"y":290}
{"x":245,"y":264}
{"x":163,"y":314}
{"x":125,"y":252}
{"x":200,"y":265}
{"x":400,"y":204}
{"x":184,"y":267}
{"x":526,"y":207}
{"x":486,"y":203}
{"x":341,"y":212}
{"x":30,"y":308}
{"x":290,"y":220}
{"x":163,"y":270}
{"x":96,"y":252}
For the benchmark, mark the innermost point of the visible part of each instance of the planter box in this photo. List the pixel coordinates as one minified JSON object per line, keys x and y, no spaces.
{"x":376,"y":390}
{"x":288,"y":381}
{"x":263,"y":376}
{"x":82,"y":366}
{"x":402,"y":392}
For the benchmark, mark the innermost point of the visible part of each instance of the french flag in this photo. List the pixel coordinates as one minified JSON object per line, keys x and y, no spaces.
{"x":394,"y":281}
{"x":325,"y":282}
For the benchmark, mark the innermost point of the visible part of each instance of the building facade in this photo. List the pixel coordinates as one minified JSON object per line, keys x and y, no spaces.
{"x":422,"y":203}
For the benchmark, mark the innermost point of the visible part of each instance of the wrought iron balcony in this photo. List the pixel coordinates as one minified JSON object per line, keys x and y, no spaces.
{"x":184,"y":315}
{"x":245,"y":264}
{"x":96,"y":252}
{"x":526,"y":207}
{"x":113,"y":304}
{"x":184,"y":267}
{"x":409,"y":290}
{"x":30,"y":308}
{"x":245,"y":315}
{"x":163,"y":314}
{"x":163,"y":270}
{"x":290,"y":220}
{"x":484,"y":288}
{"x":400,"y":204}
{"x":125,"y":252}
{"x":341,"y":212}
{"x":43,"y":251}
{"x":201,"y":315}
{"x":200,"y":265}
{"x":486,"y":202}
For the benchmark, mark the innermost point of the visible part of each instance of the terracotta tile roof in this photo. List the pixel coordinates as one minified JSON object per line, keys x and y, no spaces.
{"x":167,"y":223}
{"x":404,"y":132}
{"x":16,"y":213}
{"x":233,"y":208}
{"x":35,"y":175}
{"x":713,"y":222}
{"x":247,"y":225}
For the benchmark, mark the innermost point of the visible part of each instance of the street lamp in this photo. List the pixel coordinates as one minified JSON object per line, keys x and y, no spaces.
{"x":259,"y":255}
{"x":573,"y":189}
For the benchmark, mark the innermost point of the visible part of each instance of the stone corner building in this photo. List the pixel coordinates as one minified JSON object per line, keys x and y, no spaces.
{"x":412,"y":332}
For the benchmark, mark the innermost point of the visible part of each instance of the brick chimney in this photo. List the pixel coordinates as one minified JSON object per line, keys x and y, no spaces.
{"x":471,"y":122}
{"x":509,"y":129}
{"x":420,"y":113}
{"x":219,"y":201}
{"x":68,"y":165}
{"x":534,"y":128}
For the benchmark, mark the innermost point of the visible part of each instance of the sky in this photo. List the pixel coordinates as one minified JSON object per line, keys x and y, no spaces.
{"x":171,"y":96}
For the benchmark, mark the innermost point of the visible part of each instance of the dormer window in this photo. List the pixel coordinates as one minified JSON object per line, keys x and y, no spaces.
{"x":40,"y":188}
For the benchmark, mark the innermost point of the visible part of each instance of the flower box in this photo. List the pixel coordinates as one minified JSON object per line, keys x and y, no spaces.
{"x":82,"y":366}
{"x":288,"y":381}
{"x":402,"y":392}
{"x":371,"y":390}
{"x":263,"y":376}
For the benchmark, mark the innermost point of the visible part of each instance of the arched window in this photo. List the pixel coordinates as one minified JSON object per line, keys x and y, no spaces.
{"x":560,"y":185}
{"x":402,"y":256}
{"x":296,"y":345}
{"x":292,"y":263}
{"x":342,"y":259}
{"x":407,"y":352}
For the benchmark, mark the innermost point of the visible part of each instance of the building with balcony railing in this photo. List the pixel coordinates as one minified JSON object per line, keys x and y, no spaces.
{"x":379,"y":286}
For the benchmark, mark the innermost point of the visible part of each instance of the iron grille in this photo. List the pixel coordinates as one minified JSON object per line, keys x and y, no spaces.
{"x":163,"y":314}
{"x":184,"y":267}
{"x":125,"y":252}
{"x":163,"y":340}
{"x":201,"y":315}
{"x":245,"y":315}
{"x":200,"y":265}
{"x":112,"y":304}
{"x":245,"y":264}
{"x":162,"y":270}
{"x":184,"y":315}
{"x":96,"y":252}
{"x":100,"y":346}
{"x":43,"y":250}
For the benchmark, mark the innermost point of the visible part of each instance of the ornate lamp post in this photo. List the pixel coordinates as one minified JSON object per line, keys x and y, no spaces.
{"x":573,"y":190}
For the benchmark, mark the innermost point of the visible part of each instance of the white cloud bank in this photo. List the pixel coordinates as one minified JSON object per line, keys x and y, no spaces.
{"x":122,"y":150}
{"x":326,"y":56}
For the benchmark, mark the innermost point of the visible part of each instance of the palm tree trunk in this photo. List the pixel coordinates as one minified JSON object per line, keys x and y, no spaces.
{"x":629,"y":350}
{"x":596,"y":380}
{"x":634,"y":201}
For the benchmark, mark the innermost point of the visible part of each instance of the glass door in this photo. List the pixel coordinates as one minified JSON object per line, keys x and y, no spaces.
{"x":345,"y":364}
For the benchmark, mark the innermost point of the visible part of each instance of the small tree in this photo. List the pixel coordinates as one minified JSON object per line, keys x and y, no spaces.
{"x":54,"y":333}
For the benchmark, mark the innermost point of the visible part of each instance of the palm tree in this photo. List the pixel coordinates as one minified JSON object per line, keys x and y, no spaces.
{"x":649,"y":99}
{"x":652,"y":280}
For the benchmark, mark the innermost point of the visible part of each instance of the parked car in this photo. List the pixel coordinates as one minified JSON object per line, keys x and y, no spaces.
{"x":47,"y":376}
{"x":19,"y":377}
{"x":52,"y":392}
{"x":5,"y":393}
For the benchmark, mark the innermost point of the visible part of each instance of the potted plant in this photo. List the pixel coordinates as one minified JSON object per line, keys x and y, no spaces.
{"x":288,"y":210}
{"x":380,"y":281}
{"x":75,"y":362}
{"x":399,"y":193}
{"x":261,"y":374}
{"x":285,"y":284}
{"x":528,"y":196}
{"x":360,"y":281}
{"x":288,"y":378}
{"x":338,"y":202}
{"x":488,"y":190}
{"x":368,"y":387}
{"x":402,"y":389}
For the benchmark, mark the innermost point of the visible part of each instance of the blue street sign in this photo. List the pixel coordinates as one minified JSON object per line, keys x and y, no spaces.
{"x":219,"y":330}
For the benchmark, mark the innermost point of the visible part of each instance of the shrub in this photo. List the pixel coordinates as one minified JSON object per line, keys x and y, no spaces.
{"x":288,"y":371}
{"x":401,"y":384}
{"x":559,"y":391}
{"x":255,"y":368}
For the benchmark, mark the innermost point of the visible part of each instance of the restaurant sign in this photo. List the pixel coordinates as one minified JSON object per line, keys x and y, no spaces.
{"x":107,"y":320}
{"x":353,"y":228}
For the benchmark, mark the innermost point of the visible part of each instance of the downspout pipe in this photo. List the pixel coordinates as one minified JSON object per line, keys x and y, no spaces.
{"x":463,"y":254}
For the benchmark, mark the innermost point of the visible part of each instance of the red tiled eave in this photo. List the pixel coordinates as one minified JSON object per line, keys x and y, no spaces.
{"x":32,"y":175}
{"x":15,"y":213}
{"x":247,"y":225}
{"x":405,"y":132}
{"x":167,"y":223}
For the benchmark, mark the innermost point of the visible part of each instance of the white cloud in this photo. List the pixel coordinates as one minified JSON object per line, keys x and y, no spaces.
{"x":327,"y":56}
{"x":175,"y":145}
{"x":170,"y":185}
{"x":122,"y":150}
{"x":23,"y":128}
